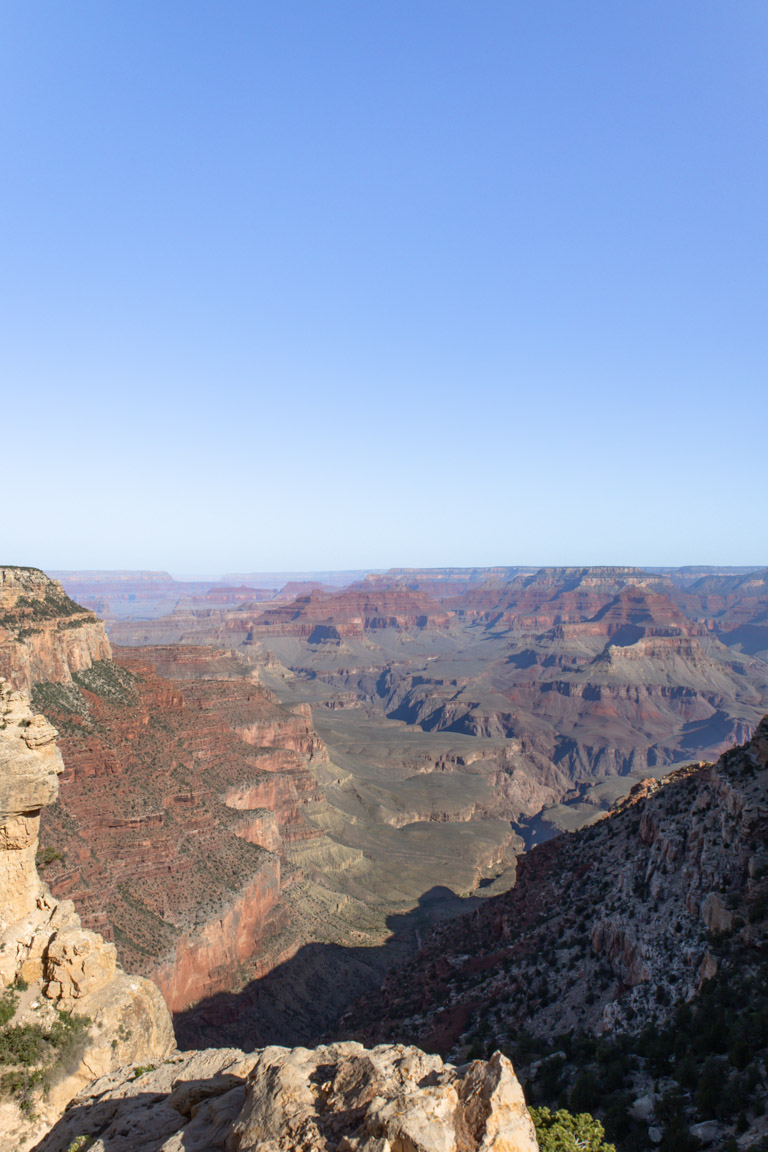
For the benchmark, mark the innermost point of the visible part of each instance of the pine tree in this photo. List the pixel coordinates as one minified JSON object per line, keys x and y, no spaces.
{"x":563,"y":1132}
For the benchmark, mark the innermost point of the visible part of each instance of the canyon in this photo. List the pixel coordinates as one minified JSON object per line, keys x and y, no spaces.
{"x":291,"y":785}
{"x":88,"y":1055}
{"x":625,"y":973}
{"x":201,"y":827}
{"x":270,"y":802}
{"x":574,"y":676}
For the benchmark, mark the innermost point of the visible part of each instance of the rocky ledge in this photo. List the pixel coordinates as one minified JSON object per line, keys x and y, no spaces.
{"x":340,"y":1097}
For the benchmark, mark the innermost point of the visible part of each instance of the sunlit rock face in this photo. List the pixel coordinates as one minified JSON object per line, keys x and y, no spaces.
{"x":30,"y":764}
{"x":342,"y":1096}
{"x":43,"y":634}
{"x":44,"y":951}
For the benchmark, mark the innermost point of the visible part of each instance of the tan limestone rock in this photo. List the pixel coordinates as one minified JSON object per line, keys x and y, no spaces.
{"x":30,"y":764}
{"x":387,"y":1098}
{"x":39,"y":732}
{"x":341,"y":1097}
{"x":77,"y":963}
{"x":42,"y":941}
{"x":130,"y":1024}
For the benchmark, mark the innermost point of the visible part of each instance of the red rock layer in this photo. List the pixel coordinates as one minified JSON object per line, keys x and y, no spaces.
{"x":351,"y":613}
{"x":552,"y":596}
{"x":43,"y":634}
{"x":177,"y":801}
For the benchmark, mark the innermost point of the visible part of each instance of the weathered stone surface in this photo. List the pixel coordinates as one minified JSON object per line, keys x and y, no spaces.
{"x":30,"y":764}
{"x":340,"y":1097}
{"x":43,"y":634}
{"x":390,"y":1097}
{"x":77,"y":962}
{"x":42,"y":942}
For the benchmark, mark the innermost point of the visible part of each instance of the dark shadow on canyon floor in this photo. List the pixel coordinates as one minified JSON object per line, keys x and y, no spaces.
{"x":301,"y":1001}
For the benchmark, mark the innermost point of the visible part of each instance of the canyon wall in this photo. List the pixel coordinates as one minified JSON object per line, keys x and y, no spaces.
{"x":180,"y":802}
{"x":51,"y":969}
{"x":43,"y":634}
{"x":627,"y":951}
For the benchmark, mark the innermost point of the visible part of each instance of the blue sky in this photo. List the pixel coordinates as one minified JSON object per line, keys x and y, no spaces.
{"x":358,"y":283}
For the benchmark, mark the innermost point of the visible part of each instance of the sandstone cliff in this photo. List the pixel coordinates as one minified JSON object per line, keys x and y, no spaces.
{"x":181,"y":803}
{"x":53,"y":971}
{"x":43,"y":634}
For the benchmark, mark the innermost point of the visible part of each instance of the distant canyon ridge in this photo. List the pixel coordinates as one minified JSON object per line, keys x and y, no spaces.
{"x":271,"y":783}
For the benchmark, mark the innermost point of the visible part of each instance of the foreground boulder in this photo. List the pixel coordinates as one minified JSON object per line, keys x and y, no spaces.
{"x":338,"y":1098}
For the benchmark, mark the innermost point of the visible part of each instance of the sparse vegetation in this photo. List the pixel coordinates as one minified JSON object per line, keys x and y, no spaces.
{"x":108,"y":680}
{"x":562,"y":1131}
{"x":29,"y":613}
{"x":141,"y":1070}
{"x":47,"y":855}
{"x":65,"y":701}
{"x":79,"y":1144}
{"x":36,"y":1056}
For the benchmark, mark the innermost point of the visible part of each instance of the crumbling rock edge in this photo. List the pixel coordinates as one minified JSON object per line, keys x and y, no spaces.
{"x":343,"y":1097}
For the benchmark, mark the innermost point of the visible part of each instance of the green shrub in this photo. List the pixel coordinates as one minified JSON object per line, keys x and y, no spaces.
{"x":8,"y":1002}
{"x":22,"y":1044}
{"x":561,"y":1131}
{"x":38,"y":1057}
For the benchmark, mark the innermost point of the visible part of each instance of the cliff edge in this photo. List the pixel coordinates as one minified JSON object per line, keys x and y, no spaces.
{"x":44,"y":635}
{"x":68,"y":1012}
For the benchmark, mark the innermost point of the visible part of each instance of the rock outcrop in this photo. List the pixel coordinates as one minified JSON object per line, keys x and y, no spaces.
{"x":339,"y":1097}
{"x":43,"y":634}
{"x":56,"y":966}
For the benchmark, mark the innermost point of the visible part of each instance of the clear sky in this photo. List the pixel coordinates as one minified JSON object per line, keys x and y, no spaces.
{"x":323,"y":284}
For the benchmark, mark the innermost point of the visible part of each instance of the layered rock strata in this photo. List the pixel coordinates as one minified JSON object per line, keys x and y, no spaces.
{"x":180,"y":803}
{"x":44,"y":951}
{"x":43,"y":634}
{"x":128,"y":1089}
{"x":319,"y":617}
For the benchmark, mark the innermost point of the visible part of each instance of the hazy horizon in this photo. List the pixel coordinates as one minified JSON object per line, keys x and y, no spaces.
{"x":316,"y":574}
